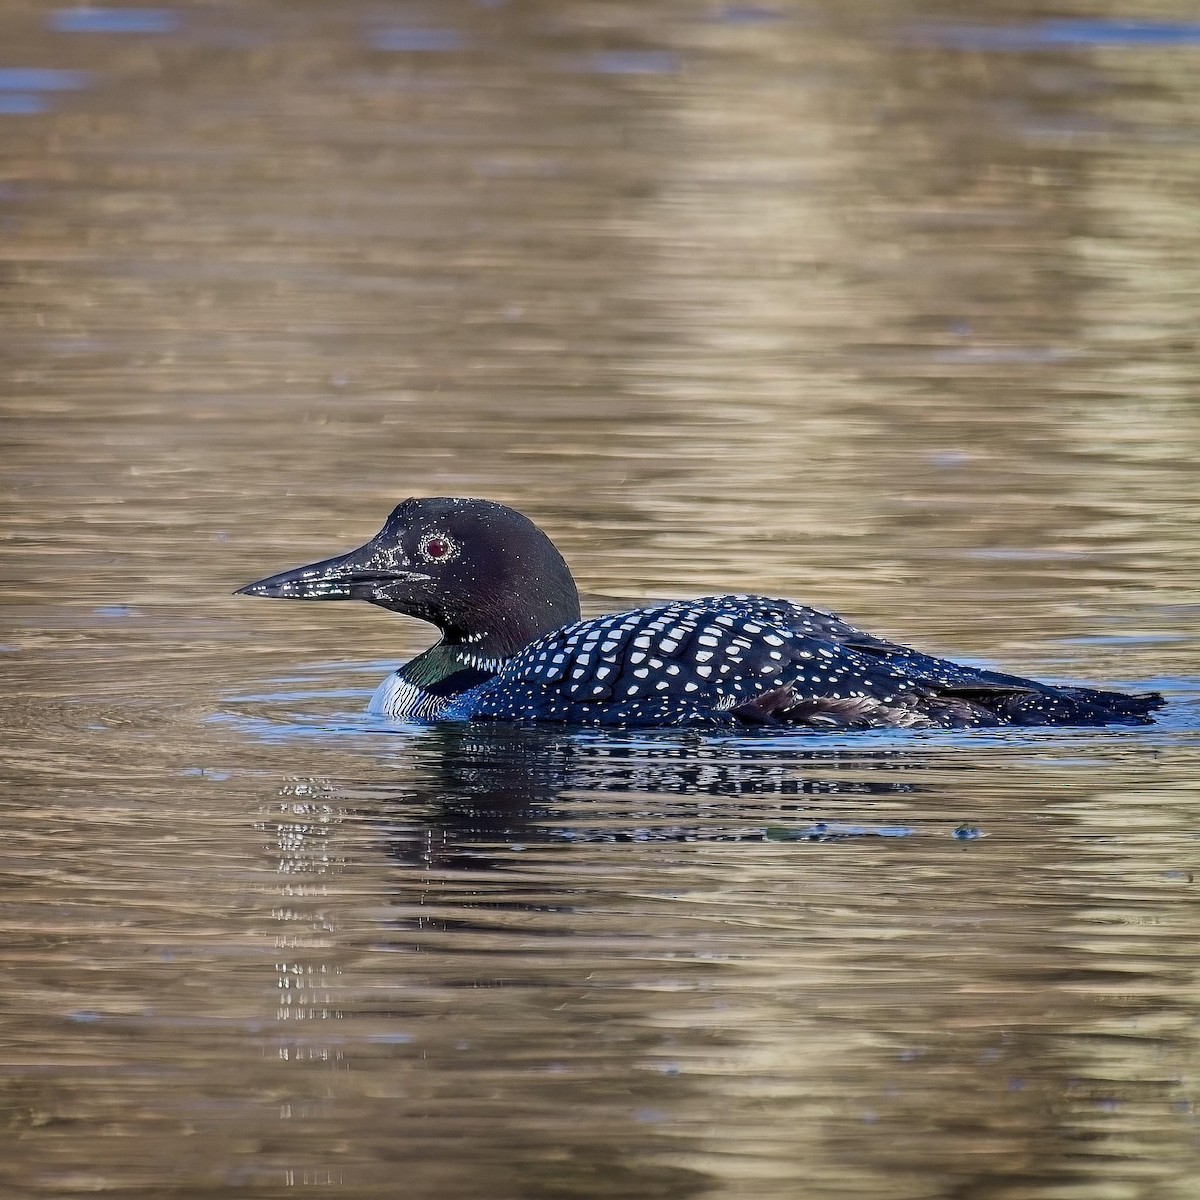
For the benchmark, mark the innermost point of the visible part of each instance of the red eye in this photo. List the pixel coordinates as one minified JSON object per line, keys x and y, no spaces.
{"x":435,"y":548}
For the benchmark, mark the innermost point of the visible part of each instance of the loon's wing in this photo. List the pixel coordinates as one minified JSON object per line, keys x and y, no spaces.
{"x":956,"y":693}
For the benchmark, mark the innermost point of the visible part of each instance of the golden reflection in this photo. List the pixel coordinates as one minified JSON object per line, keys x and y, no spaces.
{"x":852,"y":305}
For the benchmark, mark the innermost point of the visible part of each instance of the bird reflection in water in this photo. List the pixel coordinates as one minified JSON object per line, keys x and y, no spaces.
{"x":481,"y":785}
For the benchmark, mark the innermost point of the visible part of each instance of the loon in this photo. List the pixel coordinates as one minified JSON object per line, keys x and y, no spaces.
{"x":513,"y":646}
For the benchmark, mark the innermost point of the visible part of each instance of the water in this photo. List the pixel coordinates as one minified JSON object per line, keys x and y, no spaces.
{"x":887,"y":308}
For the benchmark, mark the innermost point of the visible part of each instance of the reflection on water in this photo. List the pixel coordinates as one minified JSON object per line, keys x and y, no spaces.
{"x":891,"y":309}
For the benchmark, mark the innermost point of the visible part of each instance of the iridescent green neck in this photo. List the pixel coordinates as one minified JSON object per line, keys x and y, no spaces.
{"x":449,"y":668}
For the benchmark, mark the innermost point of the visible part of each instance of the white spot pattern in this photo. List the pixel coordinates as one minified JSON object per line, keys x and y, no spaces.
{"x":689,"y":662}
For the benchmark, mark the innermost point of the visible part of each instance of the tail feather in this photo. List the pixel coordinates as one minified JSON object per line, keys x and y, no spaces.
{"x":1081,"y":706}
{"x":1130,"y":704}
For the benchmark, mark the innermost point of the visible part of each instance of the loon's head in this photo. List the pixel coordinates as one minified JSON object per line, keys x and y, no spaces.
{"x":482,"y":573}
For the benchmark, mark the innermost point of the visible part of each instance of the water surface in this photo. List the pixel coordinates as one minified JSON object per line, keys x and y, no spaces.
{"x":891,"y":309}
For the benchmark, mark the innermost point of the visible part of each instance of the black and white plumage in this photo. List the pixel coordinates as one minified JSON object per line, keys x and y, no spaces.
{"x":514,"y":648}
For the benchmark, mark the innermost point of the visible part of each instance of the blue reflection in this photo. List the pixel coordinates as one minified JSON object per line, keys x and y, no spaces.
{"x":833,"y":831}
{"x":747,"y":14}
{"x":114,"y":611}
{"x":1048,"y":34}
{"x":632,"y":62}
{"x":41,"y":79}
{"x":114,"y":20}
{"x":21,"y":104}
